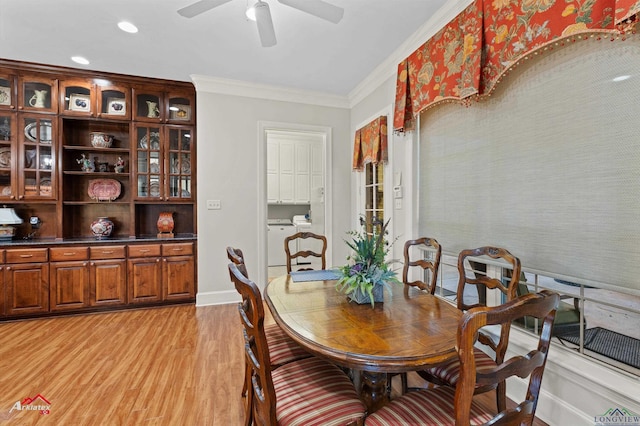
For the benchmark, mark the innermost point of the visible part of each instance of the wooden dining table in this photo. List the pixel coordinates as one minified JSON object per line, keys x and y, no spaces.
{"x":411,"y":330}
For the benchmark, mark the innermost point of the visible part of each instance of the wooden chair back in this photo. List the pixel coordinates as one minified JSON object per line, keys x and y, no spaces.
{"x":235,"y":255}
{"x":480,"y":279}
{"x":294,"y":239}
{"x":541,"y":305}
{"x":426,"y":265}
{"x":263,"y":397}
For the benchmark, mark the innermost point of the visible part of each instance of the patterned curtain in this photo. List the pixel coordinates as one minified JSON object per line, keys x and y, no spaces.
{"x":447,"y":67}
{"x":471,"y":53}
{"x":370,"y":145}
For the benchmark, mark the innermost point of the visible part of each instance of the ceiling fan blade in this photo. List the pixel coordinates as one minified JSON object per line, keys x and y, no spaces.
{"x":200,"y":7}
{"x":318,"y":8}
{"x":265,"y":24}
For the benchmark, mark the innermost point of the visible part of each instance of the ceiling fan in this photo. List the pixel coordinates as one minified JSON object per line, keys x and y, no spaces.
{"x":318,"y":8}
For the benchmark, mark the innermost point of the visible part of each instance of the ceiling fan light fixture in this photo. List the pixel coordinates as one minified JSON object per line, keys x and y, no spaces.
{"x":251,"y":13}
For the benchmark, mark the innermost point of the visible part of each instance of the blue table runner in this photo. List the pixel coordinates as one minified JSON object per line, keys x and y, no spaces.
{"x":319,"y":275}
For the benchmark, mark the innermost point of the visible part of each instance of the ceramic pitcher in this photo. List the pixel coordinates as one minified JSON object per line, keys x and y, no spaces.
{"x":154,"y":112}
{"x":38,"y":98}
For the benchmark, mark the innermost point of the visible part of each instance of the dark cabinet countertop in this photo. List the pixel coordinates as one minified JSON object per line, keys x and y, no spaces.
{"x":38,"y":242}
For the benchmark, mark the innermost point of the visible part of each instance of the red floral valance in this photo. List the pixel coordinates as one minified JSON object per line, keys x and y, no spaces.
{"x":370,"y":145}
{"x":472,"y":52}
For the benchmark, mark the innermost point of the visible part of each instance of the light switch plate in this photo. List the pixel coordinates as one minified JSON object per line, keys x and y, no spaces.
{"x":213,"y":205}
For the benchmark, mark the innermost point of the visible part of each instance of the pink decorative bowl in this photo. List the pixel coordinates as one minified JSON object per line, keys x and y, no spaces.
{"x":101,"y":140}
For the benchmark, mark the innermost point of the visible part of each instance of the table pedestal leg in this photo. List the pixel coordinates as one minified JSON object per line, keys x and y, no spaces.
{"x":374,"y":390}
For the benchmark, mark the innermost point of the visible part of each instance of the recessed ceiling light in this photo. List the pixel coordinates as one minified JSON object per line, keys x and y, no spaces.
{"x":622,"y":78}
{"x":127,"y":27}
{"x":80,"y":60}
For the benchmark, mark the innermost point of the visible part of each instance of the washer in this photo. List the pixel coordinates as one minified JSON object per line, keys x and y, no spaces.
{"x":277,"y":231}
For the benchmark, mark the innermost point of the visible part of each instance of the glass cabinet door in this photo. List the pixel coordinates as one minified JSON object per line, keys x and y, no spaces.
{"x":7,"y":91}
{"x":149,"y":167}
{"x":148,"y":104}
{"x":180,"y":108}
{"x":77,"y":97}
{"x":114,"y":101}
{"x":36,"y":157}
{"x":180,"y":162}
{"x":38,"y":94}
{"x":8,"y":151}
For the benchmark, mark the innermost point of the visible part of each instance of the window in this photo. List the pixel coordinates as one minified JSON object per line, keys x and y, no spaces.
{"x":374,"y":192}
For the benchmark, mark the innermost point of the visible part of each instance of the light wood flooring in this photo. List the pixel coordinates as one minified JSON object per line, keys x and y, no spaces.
{"x":177,"y":365}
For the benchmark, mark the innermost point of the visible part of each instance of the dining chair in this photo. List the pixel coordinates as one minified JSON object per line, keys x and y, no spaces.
{"x":472,"y":275}
{"x":415,"y":252}
{"x":414,"y":257}
{"x":295,"y":241}
{"x":309,"y":391}
{"x":282,"y":349}
{"x":448,"y":405}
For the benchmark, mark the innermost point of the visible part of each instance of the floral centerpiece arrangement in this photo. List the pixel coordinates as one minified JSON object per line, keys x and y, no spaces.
{"x":367,"y":273}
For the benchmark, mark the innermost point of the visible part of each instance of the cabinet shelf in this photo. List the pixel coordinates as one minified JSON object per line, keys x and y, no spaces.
{"x":81,"y":173}
{"x":94,"y":149}
{"x":85,"y":203}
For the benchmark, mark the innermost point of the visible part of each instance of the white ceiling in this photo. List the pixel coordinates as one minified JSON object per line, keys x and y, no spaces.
{"x":311,"y":54}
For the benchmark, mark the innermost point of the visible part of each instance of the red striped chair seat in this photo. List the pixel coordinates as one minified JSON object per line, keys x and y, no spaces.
{"x":314,"y":392}
{"x":424,"y":407}
{"x":282,"y":349}
{"x":449,"y":373}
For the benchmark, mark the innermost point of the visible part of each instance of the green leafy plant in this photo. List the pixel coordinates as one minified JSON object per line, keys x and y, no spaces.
{"x":367,"y":266}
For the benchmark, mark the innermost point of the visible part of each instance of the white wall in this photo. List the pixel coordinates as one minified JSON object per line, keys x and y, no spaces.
{"x":227,"y":171}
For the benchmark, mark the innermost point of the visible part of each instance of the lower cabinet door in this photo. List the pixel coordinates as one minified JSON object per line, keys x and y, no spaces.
{"x":108,"y":282}
{"x":27,"y":288}
{"x":69,"y":285}
{"x":144,"y":280}
{"x":179,"y":278}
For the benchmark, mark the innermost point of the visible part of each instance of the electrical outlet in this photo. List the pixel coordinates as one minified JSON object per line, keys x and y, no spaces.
{"x":213,"y":205}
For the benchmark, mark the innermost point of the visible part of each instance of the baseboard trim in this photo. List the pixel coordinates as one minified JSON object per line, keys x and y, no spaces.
{"x":217,"y":298}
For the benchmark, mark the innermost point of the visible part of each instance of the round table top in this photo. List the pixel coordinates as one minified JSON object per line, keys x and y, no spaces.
{"x":411,"y":330}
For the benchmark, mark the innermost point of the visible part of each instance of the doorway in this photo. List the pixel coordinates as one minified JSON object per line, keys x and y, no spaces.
{"x":289,"y":202}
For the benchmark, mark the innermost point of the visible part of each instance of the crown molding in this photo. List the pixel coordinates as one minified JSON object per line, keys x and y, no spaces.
{"x":389,"y":66}
{"x":223,"y":86}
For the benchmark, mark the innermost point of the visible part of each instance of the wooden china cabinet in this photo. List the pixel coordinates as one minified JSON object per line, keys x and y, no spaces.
{"x":59,"y":180}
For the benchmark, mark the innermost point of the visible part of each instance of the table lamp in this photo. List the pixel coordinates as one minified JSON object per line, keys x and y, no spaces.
{"x":8,"y":217}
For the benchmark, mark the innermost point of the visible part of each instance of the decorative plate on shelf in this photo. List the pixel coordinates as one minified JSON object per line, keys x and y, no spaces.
{"x":5,"y":157}
{"x":186,"y":166}
{"x":155,"y":141}
{"x":45,"y":186}
{"x":154,"y":189}
{"x":104,"y":189}
{"x":31,"y":132}
{"x":29,"y":158}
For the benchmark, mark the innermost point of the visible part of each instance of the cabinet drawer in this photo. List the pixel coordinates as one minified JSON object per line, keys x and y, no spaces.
{"x":60,"y":254}
{"x":106,"y":252}
{"x":177,"y":249}
{"x":1,"y":256}
{"x":27,"y":255}
{"x":144,"y":250}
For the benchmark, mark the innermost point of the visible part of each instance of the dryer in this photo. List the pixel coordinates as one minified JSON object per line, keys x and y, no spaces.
{"x":277,"y":231}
